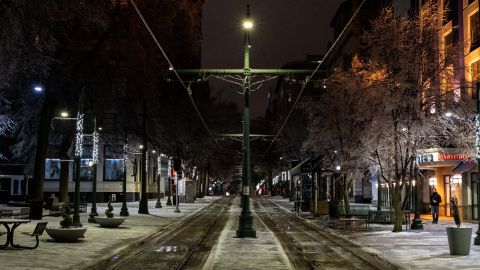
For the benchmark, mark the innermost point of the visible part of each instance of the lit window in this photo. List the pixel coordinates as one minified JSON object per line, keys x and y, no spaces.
{"x":113,"y":163}
{"x":475,"y":72}
{"x":448,"y":43}
{"x":52,"y":169}
{"x":474,"y":30}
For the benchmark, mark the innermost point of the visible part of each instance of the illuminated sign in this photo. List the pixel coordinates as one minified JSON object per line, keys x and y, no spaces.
{"x":424,"y":158}
{"x":444,"y":156}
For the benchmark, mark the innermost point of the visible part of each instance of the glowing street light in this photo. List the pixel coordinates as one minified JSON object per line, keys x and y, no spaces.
{"x":38,"y":88}
{"x":64,"y":114}
{"x":247,"y":24}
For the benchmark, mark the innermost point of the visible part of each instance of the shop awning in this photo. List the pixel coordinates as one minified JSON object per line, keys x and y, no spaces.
{"x":464,"y":166}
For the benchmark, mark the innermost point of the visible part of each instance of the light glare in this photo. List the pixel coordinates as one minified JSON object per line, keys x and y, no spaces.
{"x":248,"y":24}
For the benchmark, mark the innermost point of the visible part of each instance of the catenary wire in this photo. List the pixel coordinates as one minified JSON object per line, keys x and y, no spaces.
{"x":172,"y":68}
{"x":313,"y":73}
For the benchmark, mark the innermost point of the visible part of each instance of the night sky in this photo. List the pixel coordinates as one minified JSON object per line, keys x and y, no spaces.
{"x":285,"y":30}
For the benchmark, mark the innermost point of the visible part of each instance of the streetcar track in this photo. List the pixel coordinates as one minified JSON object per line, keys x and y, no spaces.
{"x":296,"y":235}
{"x":153,"y":242}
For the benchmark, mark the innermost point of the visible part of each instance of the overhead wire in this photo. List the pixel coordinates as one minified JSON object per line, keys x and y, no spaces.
{"x":307,"y":79}
{"x":172,"y":68}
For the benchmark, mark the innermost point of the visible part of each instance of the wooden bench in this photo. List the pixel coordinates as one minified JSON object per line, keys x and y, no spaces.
{"x":353,"y":219}
{"x":388,"y":217}
{"x":354,"y":213}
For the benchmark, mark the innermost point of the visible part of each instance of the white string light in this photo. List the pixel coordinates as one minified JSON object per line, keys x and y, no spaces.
{"x":169,"y":170}
{"x":146,"y":161}
{"x":95,"y":147}
{"x":125,"y":155}
{"x":79,"y":136}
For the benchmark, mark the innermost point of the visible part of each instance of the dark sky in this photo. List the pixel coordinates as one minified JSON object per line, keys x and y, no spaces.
{"x":285,"y":30}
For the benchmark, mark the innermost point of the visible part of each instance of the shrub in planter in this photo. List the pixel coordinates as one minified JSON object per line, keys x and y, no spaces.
{"x":67,"y":217}
{"x":109,"y":221}
{"x":66,"y":233}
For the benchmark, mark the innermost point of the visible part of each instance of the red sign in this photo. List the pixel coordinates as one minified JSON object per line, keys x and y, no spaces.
{"x":444,"y":156}
{"x":174,"y":173}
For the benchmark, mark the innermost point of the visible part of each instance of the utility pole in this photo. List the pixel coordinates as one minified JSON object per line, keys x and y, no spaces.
{"x":245,"y":227}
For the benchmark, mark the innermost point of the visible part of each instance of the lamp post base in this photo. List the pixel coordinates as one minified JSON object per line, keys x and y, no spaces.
{"x":158,"y":204}
{"x":169,"y":201}
{"x":76,"y":220}
{"x":124,"y":211}
{"x":416,"y":224}
{"x":245,"y":228}
{"x":476,"y":240}
{"x":143,"y":207}
{"x":93,"y":214}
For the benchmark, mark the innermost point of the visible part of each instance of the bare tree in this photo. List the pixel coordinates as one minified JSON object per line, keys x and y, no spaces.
{"x":336,"y":128}
{"x":406,"y":76}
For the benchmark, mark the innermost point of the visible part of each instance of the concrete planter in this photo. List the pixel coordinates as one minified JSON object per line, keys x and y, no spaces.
{"x":109,"y":222}
{"x":66,"y":234}
{"x":459,"y":240}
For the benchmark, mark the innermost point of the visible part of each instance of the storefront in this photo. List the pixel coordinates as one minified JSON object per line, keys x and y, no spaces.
{"x":450,"y":171}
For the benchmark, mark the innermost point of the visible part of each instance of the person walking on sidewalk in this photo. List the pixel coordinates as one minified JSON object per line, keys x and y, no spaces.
{"x":435,"y":200}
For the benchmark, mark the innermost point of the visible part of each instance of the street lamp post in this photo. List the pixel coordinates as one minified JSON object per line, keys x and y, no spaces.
{"x":476,"y":241}
{"x":78,"y":156}
{"x":159,"y":173}
{"x":177,"y":202}
{"x":169,"y":179}
{"x":143,"y":206}
{"x":245,"y":226}
{"x":417,"y":221}
{"x":282,"y":184}
{"x":124,"y":210}
{"x":93,"y":210}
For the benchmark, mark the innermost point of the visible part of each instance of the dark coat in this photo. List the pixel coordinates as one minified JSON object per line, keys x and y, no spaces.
{"x":435,"y":199}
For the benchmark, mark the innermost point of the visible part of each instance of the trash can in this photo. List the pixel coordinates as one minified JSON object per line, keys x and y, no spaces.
{"x":36,"y":209}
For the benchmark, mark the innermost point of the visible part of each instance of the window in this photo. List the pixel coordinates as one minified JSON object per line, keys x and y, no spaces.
{"x":52,"y":169}
{"x":448,"y":10}
{"x":474,"y":31}
{"x":113,"y":163}
{"x":448,"y":43}
{"x":86,"y":171}
{"x":475,"y":72}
